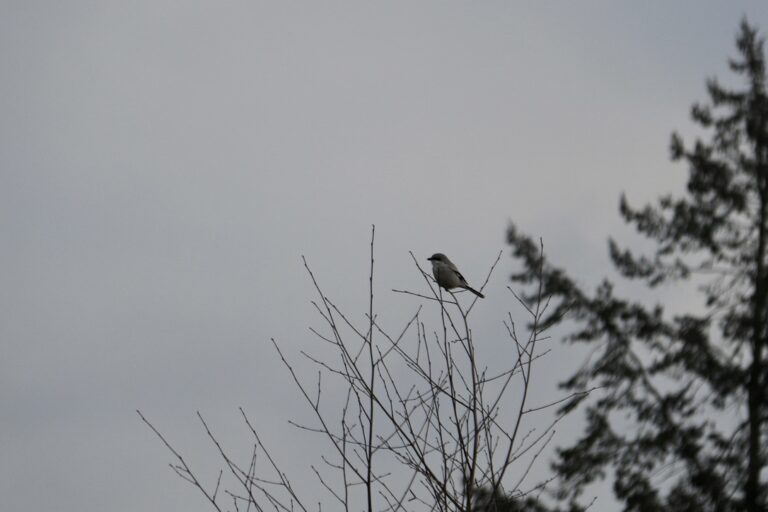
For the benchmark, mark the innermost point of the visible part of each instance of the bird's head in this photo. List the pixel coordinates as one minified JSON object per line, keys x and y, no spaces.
{"x":439,"y":257}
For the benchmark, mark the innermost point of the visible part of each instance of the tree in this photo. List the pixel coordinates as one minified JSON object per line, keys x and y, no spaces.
{"x":682,"y":423}
{"x":421,"y":424}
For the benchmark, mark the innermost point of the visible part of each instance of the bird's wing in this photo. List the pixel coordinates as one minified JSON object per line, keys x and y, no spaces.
{"x":452,"y":266}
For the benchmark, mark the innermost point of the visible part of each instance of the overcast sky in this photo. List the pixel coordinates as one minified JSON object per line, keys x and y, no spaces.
{"x":164,"y":165}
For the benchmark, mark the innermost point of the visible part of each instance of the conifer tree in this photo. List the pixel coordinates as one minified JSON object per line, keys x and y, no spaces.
{"x":680,"y":424}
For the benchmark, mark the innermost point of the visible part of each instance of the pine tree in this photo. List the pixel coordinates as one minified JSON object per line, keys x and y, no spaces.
{"x":680,"y":424}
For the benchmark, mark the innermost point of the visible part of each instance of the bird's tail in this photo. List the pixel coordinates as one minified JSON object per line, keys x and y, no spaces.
{"x":475,"y":292}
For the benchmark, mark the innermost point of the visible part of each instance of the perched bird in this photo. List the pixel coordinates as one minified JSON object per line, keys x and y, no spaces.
{"x":447,"y":275}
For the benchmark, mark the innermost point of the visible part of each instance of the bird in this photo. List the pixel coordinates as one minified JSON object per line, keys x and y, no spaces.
{"x":447,"y":275}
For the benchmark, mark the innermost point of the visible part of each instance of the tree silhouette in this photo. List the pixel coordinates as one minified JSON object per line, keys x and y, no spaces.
{"x":682,"y":423}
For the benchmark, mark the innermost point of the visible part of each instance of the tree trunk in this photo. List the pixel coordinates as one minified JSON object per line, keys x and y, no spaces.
{"x":755,"y":389}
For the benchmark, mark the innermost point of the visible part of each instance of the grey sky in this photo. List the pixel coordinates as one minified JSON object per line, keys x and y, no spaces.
{"x":163,"y":165}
